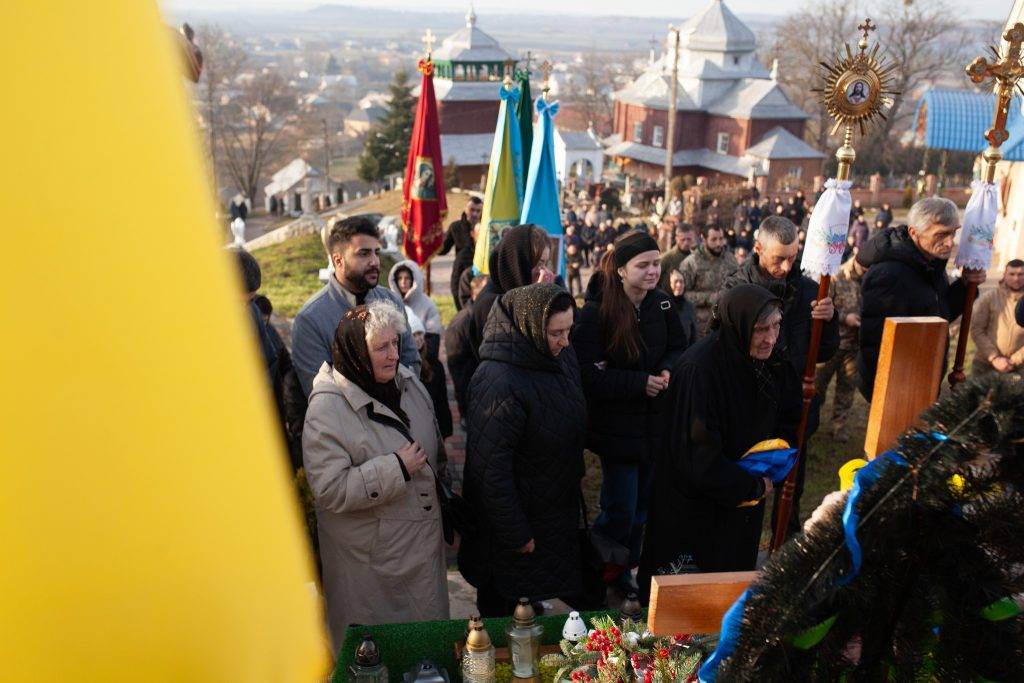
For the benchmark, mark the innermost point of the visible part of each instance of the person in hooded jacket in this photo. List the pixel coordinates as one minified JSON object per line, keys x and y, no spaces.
{"x":732,"y":389}
{"x":627,"y":339}
{"x":524,"y":453}
{"x":907,"y":277}
{"x":406,"y":280}
{"x":520,"y":258}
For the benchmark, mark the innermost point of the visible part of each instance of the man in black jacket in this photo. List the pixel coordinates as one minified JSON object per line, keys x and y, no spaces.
{"x":774,"y":266}
{"x":907,"y":277}
{"x":461,"y":234}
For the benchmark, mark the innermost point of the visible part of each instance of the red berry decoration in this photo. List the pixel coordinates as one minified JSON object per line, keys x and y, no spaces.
{"x":663,"y":653}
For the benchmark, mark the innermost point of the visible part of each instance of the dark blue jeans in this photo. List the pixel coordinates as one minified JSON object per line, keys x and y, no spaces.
{"x":625,"y":499}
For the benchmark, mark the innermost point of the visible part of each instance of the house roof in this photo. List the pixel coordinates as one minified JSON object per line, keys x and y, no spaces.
{"x":717,"y":29}
{"x":779,"y":143}
{"x":295,"y":172}
{"x":467,"y":150}
{"x":723,"y":163}
{"x":756,"y":98}
{"x":464,"y":91}
{"x":578,"y":140}
{"x":370,"y":114}
{"x":956,"y":120}
{"x":470,"y":44}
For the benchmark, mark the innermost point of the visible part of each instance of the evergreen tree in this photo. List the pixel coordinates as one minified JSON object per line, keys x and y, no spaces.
{"x":332,"y":68}
{"x":387,"y":145}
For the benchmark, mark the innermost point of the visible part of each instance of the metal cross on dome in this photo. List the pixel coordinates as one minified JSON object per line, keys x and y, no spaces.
{"x":428,"y":41}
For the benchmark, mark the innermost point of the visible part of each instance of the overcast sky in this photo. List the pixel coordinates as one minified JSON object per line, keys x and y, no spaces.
{"x":969,"y":9}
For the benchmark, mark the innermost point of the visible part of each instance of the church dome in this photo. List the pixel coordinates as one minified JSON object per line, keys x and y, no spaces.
{"x":717,"y":29}
{"x":469,"y":44}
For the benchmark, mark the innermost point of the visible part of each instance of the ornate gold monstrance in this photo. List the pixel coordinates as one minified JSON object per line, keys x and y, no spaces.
{"x":856,"y":87}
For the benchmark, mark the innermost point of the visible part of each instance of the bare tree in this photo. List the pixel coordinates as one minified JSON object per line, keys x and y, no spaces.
{"x":257,"y":123}
{"x":223,"y":61}
{"x":594,"y":80}
{"x":804,"y":39}
{"x":926,"y":41}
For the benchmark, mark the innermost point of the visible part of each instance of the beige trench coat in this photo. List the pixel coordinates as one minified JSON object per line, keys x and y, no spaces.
{"x":380,"y":536}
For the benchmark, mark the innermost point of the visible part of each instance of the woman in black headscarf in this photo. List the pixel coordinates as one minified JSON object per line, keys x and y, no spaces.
{"x":731,"y":390}
{"x":520,"y":258}
{"x":524,"y":453}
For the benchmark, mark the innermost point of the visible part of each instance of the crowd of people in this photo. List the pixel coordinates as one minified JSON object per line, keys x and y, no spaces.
{"x":684,"y":354}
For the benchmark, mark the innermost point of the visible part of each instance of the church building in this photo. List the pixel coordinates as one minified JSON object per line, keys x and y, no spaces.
{"x":468,"y":70}
{"x":732,"y":122}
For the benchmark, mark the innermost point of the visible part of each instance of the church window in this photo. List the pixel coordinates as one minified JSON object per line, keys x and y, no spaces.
{"x":638,"y":131}
{"x":658,"y":136}
{"x":795,"y":171}
{"x":723,"y":143}
{"x":736,"y":60}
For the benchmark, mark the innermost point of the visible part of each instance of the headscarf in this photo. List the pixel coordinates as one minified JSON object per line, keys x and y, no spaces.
{"x":511,"y":262}
{"x":735,"y":317}
{"x":530,"y":309}
{"x":351,"y":357}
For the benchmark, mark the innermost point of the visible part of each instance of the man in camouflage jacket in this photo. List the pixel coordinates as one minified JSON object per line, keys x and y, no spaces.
{"x":704,"y":271}
{"x":847,"y":299}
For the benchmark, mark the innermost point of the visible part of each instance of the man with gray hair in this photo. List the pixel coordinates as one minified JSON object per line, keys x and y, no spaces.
{"x":907,"y":277}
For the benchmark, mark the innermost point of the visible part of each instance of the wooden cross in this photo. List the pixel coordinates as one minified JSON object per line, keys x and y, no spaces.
{"x":428,"y":40}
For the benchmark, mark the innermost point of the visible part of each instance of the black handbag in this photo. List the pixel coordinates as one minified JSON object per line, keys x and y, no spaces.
{"x":456,"y":515}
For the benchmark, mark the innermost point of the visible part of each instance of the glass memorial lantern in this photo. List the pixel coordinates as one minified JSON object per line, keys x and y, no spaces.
{"x":524,"y":634}
{"x":368,"y":667}
{"x":478,"y":655}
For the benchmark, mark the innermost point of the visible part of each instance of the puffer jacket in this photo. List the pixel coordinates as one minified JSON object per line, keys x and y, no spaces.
{"x":524,"y":463}
{"x":901,"y":281}
{"x":623,"y":423}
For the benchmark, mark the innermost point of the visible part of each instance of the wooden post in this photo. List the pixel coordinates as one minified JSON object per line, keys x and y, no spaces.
{"x":426,"y":278}
{"x":693,"y":603}
{"x":907,"y":380}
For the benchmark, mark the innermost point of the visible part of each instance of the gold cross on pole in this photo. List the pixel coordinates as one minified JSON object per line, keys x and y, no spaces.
{"x":527,"y":60}
{"x":866,"y":28}
{"x":1006,"y":70}
{"x":545,"y":69}
{"x":428,"y":41}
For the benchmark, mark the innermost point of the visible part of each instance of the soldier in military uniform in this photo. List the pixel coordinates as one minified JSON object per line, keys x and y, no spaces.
{"x":847,"y":299}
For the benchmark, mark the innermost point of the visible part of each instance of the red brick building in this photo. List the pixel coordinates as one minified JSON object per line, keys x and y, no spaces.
{"x":732,"y":119}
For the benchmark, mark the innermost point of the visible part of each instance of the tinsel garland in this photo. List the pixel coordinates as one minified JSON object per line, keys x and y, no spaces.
{"x":943,"y":551}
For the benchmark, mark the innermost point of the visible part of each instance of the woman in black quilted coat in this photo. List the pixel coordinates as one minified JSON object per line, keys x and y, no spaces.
{"x":524,"y":453}
{"x":627,"y":341}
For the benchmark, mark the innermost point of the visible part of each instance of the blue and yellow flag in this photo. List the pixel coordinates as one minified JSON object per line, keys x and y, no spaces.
{"x":148,"y":525}
{"x":542,"y":206}
{"x":503,"y":197}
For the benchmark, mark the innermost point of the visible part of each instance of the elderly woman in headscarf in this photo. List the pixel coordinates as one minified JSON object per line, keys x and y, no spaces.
{"x":371,"y":448}
{"x":731,"y":390}
{"x":524,"y":453}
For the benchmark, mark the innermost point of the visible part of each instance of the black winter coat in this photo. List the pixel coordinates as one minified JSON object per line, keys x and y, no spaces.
{"x":623,"y":423}
{"x":797,"y":292}
{"x":901,"y":281}
{"x":524,"y":464}
{"x":461,"y":356}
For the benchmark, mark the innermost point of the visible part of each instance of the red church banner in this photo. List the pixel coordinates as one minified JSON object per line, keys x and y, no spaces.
{"x":424,"y":206}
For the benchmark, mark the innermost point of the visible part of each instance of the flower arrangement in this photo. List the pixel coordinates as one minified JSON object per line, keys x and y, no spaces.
{"x":629,"y":653}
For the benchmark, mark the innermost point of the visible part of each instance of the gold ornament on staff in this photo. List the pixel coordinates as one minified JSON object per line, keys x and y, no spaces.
{"x":545,"y":70}
{"x":856,"y":87}
{"x":1006,"y":70}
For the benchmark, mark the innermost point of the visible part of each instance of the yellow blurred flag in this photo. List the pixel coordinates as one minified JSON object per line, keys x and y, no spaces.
{"x":147,"y":527}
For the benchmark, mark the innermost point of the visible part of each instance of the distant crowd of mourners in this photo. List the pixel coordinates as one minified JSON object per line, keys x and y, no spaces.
{"x":685,"y":353}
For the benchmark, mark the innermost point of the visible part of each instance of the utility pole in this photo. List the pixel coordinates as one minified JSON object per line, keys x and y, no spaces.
{"x":327,"y":166}
{"x":670,"y":136}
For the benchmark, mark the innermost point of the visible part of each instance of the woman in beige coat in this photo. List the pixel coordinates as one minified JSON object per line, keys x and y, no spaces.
{"x":370,"y":448}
